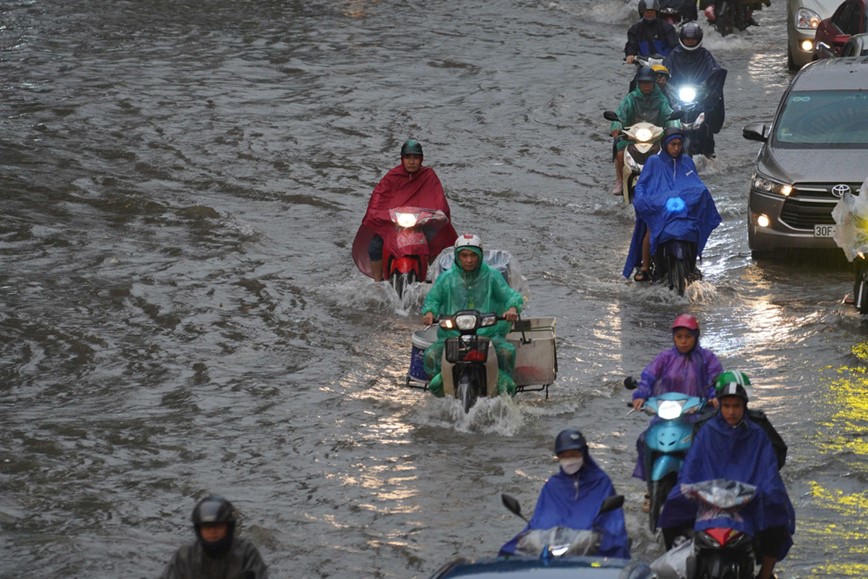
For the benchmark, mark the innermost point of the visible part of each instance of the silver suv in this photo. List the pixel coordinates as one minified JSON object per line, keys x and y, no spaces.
{"x":814,"y":150}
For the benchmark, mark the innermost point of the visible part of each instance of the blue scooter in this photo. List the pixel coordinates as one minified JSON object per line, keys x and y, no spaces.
{"x":667,"y":441}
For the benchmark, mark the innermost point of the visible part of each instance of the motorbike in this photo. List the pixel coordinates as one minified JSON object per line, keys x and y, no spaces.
{"x":721,"y":551}
{"x":406,"y":255}
{"x":703,"y":112}
{"x":731,"y":15}
{"x":667,"y":441}
{"x":851,"y":235}
{"x":560,"y":541}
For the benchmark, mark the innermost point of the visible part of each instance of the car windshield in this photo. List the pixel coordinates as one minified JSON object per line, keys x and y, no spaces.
{"x":823,"y":119}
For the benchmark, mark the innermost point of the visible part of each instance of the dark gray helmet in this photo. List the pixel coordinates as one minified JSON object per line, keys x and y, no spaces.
{"x":213,"y":509}
{"x":570,"y":439}
{"x":646,"y":5}
{"x":645,"y":74}
{"x":411,"y":147}
{"x":690,"y":30}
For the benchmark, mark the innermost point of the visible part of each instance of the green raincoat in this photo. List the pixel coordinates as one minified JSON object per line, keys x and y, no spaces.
{"x":484,"y":290}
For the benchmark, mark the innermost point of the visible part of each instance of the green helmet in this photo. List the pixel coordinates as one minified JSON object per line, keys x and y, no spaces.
{"x":732,"y":383}
{"x":411,"y":147}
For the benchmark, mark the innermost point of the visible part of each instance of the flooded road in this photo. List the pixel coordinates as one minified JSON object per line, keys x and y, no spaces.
{"x":181,"y":183}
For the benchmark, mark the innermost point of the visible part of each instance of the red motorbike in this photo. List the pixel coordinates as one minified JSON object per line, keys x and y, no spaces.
{"x":406,"y":254}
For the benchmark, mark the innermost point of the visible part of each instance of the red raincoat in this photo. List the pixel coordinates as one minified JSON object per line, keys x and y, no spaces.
{"x":398,"y":189}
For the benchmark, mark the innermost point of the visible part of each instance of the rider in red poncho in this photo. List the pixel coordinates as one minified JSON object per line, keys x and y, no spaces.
{"x":408,"y":184}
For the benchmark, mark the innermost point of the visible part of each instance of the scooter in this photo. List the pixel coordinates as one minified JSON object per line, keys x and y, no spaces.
{"x":699,"y":101}
{"x":667,"y":441}
{"x":644,"y":142}
{"x":406,"y":254}
{"x":469,"y":364}
{"x":560,"y":541}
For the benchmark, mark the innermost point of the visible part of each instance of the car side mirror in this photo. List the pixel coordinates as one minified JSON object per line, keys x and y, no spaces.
{"x":756,"y":132}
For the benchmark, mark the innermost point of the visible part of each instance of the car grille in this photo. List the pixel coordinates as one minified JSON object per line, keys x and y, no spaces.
{"x":811,"y":204}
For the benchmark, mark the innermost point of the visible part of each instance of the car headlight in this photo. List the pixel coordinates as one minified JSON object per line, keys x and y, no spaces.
{"x":770,"y":186}
{"x":807,"y":19}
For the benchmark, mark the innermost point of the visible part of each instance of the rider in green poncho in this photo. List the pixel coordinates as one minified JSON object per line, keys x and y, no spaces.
{"x":472,"y":285}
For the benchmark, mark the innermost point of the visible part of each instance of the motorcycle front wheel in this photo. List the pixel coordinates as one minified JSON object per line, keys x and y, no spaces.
{"x":862,"y":295}
{"x":658,"y":492}
{"x":400,"y":281}
{"x":466,"y":392}
{"x":677,"y":274}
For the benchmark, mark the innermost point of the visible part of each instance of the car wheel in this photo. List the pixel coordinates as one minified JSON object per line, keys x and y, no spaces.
{"x":791,"y":64}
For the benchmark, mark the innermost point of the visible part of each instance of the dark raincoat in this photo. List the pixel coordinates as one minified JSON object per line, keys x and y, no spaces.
{"x":574,"y":501}
{"x":398,"y":188}
{"x":191,"y":562}
{"x":648,"y":37}
{"x":694,"y":67}
{"x":743,"y":453}
{"x":663,"y":181}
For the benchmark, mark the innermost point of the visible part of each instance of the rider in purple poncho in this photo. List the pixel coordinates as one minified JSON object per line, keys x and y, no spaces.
{"x":572,"y":498}
{"x":686,"y":367}
{"x":730,"y":447}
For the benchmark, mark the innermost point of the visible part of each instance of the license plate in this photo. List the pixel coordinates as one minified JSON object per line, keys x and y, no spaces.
{"x":824,"y":230}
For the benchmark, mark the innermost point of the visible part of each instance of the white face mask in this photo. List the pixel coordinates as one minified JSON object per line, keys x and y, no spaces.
{"x":571,"y":465}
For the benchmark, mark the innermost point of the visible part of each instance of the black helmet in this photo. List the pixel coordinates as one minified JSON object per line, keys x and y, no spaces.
{"x":570,"y":439}
{"x":645,"y":74}
{"x":214,"y":509}
{"x":670,"y":134}
{"x":732,"y":389}
{"x":411,"y":147}
{"x":646,"y":5}
{"x":690,"y":30}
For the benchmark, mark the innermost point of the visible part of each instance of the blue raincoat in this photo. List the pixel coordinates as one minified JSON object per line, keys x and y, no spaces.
{"x":742,"y":453}
{"x":574,"y":501}
{"x":673,"y":202}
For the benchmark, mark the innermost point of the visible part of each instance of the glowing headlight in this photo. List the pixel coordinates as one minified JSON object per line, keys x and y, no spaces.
{"x":465,"y":322}
{"x":406,"y":219}
{"x":807,"y":19}
{"x":643,"y":135}
{"x":669,"y":409}
{"x":687,"y":94}
{"x":769,"y":186}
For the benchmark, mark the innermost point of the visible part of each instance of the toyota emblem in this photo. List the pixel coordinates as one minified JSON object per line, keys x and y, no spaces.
{"x":839,"y":190}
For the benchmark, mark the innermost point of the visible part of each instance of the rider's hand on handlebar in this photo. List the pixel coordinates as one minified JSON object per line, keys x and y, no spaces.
{"x":709,"y":14}
{"x":630,"y":58}
{"x":511,"y":315}
{"x":714,"y":402}
{"x":428,"y":319}
{"x":638,"y":403}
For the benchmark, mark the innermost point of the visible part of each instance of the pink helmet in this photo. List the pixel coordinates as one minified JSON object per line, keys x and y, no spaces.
{"x":686,"y":321}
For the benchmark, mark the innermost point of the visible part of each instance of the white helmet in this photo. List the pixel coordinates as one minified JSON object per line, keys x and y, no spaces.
{"x":468,"y":240}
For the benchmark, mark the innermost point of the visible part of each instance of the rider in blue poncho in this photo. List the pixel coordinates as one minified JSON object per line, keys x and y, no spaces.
{"x":572,"y":498}
{"x":671,"y":202}
{"x":730,"y":447}
{"x":472,"y":284}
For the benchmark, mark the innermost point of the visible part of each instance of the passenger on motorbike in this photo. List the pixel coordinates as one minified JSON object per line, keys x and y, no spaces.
{"x":644,"y":103}
{"x":216,"y":551}
{"x":730,"y":447}
{"x":472,"y":284}
{"x":691,"y":64}
{"x":573,"y":496}
{"x":662,"y":78}
{"x":668,"y":171}
{"x":408,"y":184}
{"x":686,"y":367}
{"x":651,"y":35}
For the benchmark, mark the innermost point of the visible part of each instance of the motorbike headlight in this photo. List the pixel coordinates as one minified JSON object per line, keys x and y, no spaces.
{"x":644,"y":135}
{"x":687,"y":94}
{"x":406,"y":220}
{"x":465,"y":321}
{"x":669,"y":409}
{"x":771,"y":186}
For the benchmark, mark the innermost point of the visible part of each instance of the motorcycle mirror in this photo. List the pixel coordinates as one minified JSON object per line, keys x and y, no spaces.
{"x":611,"y":503}
{"x":512,"y":504}
{"x":611,"y":116}
{"x":630,"y":383}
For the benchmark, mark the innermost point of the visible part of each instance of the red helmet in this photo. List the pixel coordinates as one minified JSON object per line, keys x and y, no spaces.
{"x":685,"y":321}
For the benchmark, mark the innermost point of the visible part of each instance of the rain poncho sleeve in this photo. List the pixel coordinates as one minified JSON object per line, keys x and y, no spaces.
{"x":673,"y":202}
{"x":484,"y":290}
{"x":574,"y":501}
{"x":190,"y":562}
{"x":399,"y":189}
{"x":671,"y":371}
{"x":635,"y":107}
{"x":745,"y":454}
{"x":647,"y":38}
